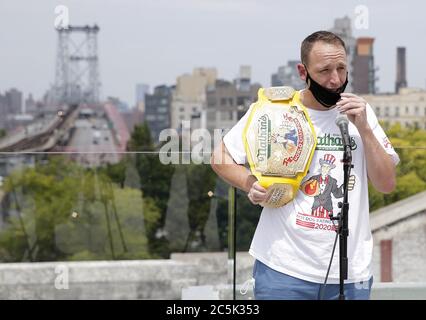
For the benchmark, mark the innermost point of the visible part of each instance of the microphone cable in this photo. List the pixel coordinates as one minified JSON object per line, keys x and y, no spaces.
{"x":321,"y":293}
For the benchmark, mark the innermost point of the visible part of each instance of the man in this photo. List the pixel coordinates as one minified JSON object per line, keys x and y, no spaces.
{"x":291,"y":245}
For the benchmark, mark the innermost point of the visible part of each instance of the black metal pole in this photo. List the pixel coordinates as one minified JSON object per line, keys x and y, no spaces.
{"x":234,"y":224}
{"x":232,"y":206}
{"x":343,"y":222}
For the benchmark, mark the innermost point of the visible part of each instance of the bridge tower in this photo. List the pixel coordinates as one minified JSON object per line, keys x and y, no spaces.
{"x":77,"y":69}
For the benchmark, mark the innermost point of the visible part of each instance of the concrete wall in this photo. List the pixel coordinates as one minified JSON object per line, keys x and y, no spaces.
{"x":408,"y":249}
{"x":145,"y":279}
{"x":185,"y":276}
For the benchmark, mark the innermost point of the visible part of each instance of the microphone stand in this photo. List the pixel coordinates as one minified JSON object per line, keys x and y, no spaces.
{"x":342,"y":218}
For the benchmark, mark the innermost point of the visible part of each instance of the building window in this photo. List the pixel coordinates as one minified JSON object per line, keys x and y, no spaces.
{"x":377,"y":111}
{"x":231,"y":101}
{"x":223,"y":101}
{"x":211,"y":102}
{"x":406,"y":110}
{"x":241,"y":101}
{"x":416,"y":110}
{"x":397,"y":112}
{"x":225,"y":116}
{"x":181,"y":109}
{"x":386,"y":111}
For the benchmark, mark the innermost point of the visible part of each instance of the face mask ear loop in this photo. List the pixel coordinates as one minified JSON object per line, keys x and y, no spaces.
{"x":308,"y":77}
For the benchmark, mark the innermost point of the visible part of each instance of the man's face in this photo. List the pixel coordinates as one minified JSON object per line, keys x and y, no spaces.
{"x":327,"y":65}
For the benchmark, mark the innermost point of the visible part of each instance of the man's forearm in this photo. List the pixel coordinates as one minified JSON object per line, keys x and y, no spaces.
{"x":233,"y":173}
{"x":380,"y":167}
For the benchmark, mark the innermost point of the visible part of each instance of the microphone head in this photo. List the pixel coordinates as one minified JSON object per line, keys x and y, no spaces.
{"x":341,"y":119}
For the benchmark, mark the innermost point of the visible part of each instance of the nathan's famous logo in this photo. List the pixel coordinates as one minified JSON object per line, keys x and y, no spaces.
{"x":264,"y":129}
{"x":332,"y":142}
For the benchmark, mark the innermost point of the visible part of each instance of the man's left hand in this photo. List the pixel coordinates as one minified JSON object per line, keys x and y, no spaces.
{"x":355,"y":108}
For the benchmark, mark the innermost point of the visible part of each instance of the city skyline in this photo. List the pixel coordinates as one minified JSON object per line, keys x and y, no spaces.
{"x":154,"y":42}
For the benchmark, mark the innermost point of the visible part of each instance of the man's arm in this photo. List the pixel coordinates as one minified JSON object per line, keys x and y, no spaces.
{"x":380,"y":167}
{"x":236,"y":175}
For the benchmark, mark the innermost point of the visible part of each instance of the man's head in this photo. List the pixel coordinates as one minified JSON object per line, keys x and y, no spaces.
{"x":323,"y":56}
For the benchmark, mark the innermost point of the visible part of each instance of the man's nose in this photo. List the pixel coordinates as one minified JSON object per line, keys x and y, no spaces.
{"x":334,"y":79}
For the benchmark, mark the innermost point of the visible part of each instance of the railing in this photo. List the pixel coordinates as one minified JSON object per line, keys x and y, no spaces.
{"x":57,"y":210}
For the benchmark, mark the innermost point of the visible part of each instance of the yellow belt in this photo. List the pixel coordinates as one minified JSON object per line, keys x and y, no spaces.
{"x":280,"y":141}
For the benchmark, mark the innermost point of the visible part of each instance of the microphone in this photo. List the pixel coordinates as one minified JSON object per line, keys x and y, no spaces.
{"x":342,"y":122}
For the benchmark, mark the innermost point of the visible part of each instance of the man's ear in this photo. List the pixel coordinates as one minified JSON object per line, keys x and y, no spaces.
{"x":302,"y":71}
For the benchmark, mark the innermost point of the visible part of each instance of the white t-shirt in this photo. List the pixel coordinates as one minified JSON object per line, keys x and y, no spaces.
{"x":297,"y":239}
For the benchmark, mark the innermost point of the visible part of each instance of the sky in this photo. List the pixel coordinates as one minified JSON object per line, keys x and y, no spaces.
{"x":155,"y":41}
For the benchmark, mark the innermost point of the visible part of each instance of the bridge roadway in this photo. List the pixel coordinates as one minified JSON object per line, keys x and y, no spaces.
{"x":90,"y":140}
{"x":92,"y":143}
{"x":36,"y":138}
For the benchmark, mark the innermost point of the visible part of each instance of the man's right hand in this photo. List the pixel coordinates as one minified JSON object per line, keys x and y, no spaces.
{"x":257,"y":193}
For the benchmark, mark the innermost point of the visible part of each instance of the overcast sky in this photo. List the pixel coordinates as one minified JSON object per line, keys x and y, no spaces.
{"x":154,"y":41}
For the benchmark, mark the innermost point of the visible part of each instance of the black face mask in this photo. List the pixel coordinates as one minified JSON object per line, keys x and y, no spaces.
{"x":326,"y":97}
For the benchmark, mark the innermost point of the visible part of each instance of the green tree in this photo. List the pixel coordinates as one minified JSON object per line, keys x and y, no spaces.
{"x":155,"y":179}
{"x":410,"y":144}
{"x":201,"y":180}
{"x":44,"y":196}
{"x":59,"y":211}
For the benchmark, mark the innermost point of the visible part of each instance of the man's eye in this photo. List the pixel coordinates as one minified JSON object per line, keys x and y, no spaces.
{"x":324,"y":70}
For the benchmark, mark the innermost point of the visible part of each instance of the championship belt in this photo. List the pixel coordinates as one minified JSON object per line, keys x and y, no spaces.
{"x":279,"y":141}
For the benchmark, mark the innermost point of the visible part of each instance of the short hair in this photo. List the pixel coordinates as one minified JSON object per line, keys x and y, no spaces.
{"x":325,"y":36}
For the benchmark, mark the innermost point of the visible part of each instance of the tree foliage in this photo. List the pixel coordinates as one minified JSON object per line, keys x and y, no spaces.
{"x":155,"y":179}
{"x":410,"y":144}
{"x":60,"y":211}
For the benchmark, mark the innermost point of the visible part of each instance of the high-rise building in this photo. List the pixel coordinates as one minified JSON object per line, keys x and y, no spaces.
{"x":157,"y":110}
{"x":189,"y":98}
{"x":288,"y":76}
{"x":401,"y":80}
{"x":364,"y":72}
{"x":3,"y":111}
{"x":14,"y":101}
{"x":342,"y":28}
{"x":141,"y":90}
{"x":242,"y":82}
{"x":228,"y":101}
{"x":30,"y":105}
